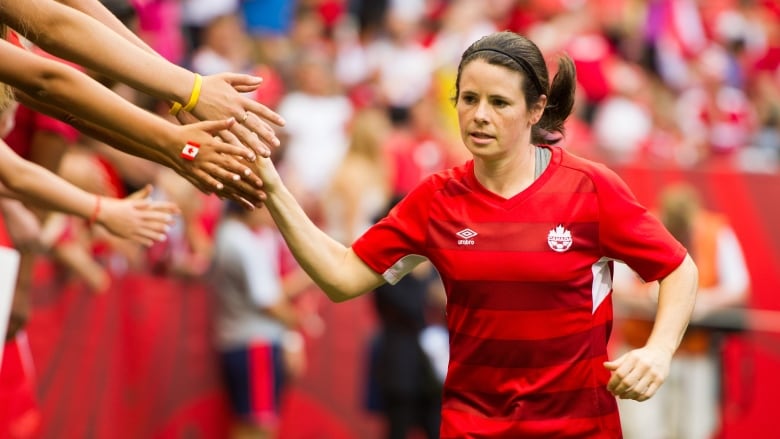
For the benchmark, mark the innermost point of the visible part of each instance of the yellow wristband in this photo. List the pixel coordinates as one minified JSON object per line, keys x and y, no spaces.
{"x":194,"y":96}
{"x":175,"y":108}
{"x":195,"y":93}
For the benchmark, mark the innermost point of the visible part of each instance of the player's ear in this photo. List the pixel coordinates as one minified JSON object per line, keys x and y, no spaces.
{"x":537,"y":109}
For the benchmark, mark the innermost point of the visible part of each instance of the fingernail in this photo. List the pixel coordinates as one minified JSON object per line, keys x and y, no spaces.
{"x":220,"y":186}
{"x":251,"y":158}
{"x":236,"y":177}
{"x":247,"y":172}
{"x":162,"y":238}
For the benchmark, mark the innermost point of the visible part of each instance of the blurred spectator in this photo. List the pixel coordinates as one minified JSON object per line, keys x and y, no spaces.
{"x":369,"y":16}
{"x":159,"y":24}
{"x":717,"y":116}
{"x":188,"y":250}
{"x":225,"y":47}
{"x":361,"y":184}
{"x":463,"y":22}
{"x":417,"y":147}
{"x":622,"y":123}
{"x":408,"y":386}
{"x":317,"y":115}
{"x":687,"y":406}
{"x":678,"y":35}
{"x":253,"y":320}
{"x":197,"y":14}
{"x":402,"y":65}
{"x":268,"y":18}
{"x":407,"y":383}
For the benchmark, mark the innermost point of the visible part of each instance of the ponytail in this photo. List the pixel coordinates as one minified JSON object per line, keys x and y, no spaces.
{"x":560,"y":101}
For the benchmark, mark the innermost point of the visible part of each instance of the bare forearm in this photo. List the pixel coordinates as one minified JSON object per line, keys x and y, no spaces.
{"x":332,"y":266}
{"x":34,"y":184}
{"x":676,"y":299}
{"x":285,"y":313}
{"x":64,"y":87}
{"x":72,"y":35}
{"x":98,"y":11}
{"x":100,"y":133}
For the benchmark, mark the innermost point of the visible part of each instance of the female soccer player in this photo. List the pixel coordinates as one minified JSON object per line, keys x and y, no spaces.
{"x":523,"y":235}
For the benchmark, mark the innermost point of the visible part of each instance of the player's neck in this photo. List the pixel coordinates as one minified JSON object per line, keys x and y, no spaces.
{"x":510,"y":176}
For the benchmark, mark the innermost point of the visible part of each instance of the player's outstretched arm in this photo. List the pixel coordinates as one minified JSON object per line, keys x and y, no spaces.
{"x":335,"y":268}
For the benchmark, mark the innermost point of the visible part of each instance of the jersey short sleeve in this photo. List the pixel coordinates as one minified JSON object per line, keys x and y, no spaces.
{"x":396,"y":244}
{"x":630,"y":233}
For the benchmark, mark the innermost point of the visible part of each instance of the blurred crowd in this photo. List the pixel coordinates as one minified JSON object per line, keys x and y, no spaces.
{"x":366,"y":86}
{"x":366,"y":90}
{"x":677,"y":82}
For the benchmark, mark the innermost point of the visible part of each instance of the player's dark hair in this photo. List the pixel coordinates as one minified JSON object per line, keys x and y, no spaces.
{"x":520,"y":54}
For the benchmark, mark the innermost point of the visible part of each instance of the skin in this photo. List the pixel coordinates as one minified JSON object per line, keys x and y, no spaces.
{"x":639,"y":373}
{"x":495,"y":126}
{"x":496,"y":129}
{"x":69,"y":34}
{"x":51,"y":86}
{"x":133,"y":218}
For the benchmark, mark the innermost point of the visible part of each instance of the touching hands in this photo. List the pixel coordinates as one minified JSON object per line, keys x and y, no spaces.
{"x":639,"y":373}
{"x":136,"y":217}
{"x":265,"y":170}
{"x":219,"y":167}
{"x":221,"y":98}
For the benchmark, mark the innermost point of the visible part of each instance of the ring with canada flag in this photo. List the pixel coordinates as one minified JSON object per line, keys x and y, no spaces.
{"x":190,"y":150}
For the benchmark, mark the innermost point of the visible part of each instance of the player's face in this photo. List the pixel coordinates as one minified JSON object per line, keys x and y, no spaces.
{"x":494,"y":119}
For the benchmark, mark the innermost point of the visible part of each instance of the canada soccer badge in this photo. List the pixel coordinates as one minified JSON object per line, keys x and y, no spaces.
{"x":559,"y":239}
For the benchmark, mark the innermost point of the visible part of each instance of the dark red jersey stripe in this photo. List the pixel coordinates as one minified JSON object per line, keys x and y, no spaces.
{"x":518,"y":382}
{"x":521,"y":325}
{"x":475,"y":351}
{"x":515,"y":295}
{"x":459,"y":425}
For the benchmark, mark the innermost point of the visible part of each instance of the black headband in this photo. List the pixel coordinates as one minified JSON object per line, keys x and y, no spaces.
{"x":529,"y":71}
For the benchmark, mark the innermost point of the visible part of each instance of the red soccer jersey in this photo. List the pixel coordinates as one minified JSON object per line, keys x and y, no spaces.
{"x":528,"y":283}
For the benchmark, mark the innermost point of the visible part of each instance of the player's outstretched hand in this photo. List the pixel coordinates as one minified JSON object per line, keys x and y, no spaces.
{"x":639,"y":373}
{"x":136,"y":217}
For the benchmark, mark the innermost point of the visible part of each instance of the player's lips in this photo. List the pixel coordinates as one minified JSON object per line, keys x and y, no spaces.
{"x":480,"y":137}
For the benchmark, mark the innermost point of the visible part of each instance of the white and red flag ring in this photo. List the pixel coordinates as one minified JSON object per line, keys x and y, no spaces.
{"x":190,"y":150}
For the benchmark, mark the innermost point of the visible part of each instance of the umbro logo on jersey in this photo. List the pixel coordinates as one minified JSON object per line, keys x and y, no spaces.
{"x":559,"y":239}
{"x":466,"y":235}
